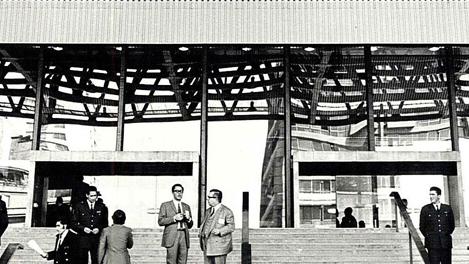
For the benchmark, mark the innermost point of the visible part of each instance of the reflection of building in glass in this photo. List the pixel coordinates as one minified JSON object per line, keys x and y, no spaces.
{"x":368,"y":195}
{"x":13,"y":191}
{"x":53,"y":138}
{"x":320,"y":196}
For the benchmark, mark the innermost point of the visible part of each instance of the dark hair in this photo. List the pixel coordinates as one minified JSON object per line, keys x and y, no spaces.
{"x":436,"y":189}
{"x":92,"y":189}
{"x":62,"y":221}
{"x":59,"y":199}
{"x":218,"y":194}
{"x":118,"y":217}
{"x":177,"y":185}
{"x":348,"y":211}
{"x":361,"y":224}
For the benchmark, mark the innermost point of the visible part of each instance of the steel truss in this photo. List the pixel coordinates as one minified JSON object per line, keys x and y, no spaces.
{"x":164,"y":83}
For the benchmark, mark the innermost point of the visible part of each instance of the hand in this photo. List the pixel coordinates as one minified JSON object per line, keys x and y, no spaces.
{"x":216,"y":231}
{"x":95,"y":231}
{"x":178,"y":217}
{"x":87,"y":230}
{"x":45,"y":255}
{"x":187,"y":215}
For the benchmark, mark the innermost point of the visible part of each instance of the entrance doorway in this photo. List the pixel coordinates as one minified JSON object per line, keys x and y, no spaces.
{"x":327,"y":189}
{"x":138,"y":188}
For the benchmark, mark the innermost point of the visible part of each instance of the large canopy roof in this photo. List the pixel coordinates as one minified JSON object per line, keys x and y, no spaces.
{"x":164,"y":83}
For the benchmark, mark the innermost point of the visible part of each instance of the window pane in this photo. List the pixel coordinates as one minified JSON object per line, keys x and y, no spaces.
{"x":305,"y":186}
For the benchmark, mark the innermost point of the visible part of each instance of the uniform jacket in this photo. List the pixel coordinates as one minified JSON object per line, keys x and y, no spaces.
{"x":3,"y":217}
{"x":84,"y":217}
{"x":67,"y":252}
{"x":113,"y":245}
{"x":165,"y":218}
{"x":222,"y":244}
{"x":437,"y":227}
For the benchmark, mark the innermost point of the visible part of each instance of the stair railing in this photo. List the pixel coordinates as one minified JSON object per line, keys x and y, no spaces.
{"x":9,"y":251}
{"x":412,"y":230}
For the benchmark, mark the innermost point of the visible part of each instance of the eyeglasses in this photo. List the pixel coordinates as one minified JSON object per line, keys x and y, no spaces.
{"x":178,"y":191}
{"x":211,"y":197}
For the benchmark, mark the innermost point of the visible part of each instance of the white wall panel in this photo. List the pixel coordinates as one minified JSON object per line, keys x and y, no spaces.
{"x":278,"y":21}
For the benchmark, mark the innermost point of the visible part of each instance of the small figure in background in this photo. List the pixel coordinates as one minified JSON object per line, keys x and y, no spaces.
{"x":348,"y":220}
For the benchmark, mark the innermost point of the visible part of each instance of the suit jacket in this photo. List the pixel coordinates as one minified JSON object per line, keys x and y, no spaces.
{"x":67,"y":252}
{"x":113,"y":245}
{"x":437,"y":227}
{"x":222,"y":244}
{"x":84,"y":217}
{"x":3,"y":217}
{"x":165,"y":218}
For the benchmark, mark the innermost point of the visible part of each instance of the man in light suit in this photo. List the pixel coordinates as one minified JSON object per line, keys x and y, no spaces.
{"x":215,"y":233}
{"x":176,"y":217}
{"x":437,"y":225}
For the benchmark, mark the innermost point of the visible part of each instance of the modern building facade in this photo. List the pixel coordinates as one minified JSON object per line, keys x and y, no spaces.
{"x":353,"y":91}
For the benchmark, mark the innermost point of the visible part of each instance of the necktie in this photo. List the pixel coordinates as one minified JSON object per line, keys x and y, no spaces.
{"x":92,"y":206}
{"x":179,"y":211}
{"x":58,"y":242}
{"x":438,"y":208}
{"x":212,"y":211}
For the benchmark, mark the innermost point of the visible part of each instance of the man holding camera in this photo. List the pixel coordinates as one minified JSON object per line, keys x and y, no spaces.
{"x":176,"y":217}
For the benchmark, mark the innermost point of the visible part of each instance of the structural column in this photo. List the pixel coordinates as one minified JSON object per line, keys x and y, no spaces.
{"x":203,"y":137}
{"x":39,"y":104}
{"x":450,"y":86}
{"x":455,"y":183}
{"x":38,"y":204}
{"x":369,"y":99}
{"x":121,"y":105}
{"x":288,"y":197}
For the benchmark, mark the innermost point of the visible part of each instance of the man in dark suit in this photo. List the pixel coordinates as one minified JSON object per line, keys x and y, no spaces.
{"x":176,"y":217}
{"x":3,"y":217}
{"x":89,"y":219}
{"x":215,"y":233}
{"x":66,"y":245}
{"x":437,"y":225}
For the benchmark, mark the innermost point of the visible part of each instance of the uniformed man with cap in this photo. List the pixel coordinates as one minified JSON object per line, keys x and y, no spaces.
{"x":437,"y":225}
{"x":66,"y":245}
{"x":89,"y":219}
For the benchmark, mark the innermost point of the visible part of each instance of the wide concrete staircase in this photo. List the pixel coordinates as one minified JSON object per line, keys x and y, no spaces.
{"x":268,"y":246}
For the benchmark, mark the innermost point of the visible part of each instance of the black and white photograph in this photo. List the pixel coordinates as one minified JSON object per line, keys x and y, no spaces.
{"x":234,"y":131}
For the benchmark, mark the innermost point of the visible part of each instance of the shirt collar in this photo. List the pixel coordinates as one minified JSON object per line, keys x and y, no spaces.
{"x":63,"y":235}
{"x":176,"y":202}
{"x":89,"y":204}
{"x":217,"y":206}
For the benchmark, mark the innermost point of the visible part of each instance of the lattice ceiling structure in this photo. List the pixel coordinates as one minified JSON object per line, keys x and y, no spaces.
{"x":163,"y":83}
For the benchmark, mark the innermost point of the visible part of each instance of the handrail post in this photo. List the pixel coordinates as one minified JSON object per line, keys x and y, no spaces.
{"x":9,"y":251}
{"x":412,"y":230}
{"x":245,"y":246}
{"x":411,"y":255}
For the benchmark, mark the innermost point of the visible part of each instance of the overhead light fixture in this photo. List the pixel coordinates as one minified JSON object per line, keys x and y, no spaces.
{"x":309,"y":49}
{"x":434,"y":49}
{"x":246,"y":49}
{"x":57,"y":48}
{"x":374,"y":48}
{"x":119,"y":48}
{"x":183,"y":48}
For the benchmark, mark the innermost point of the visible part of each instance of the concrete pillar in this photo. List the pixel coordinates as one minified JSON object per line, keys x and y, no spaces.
{"x":456,"y":196}
{"x":203,"y":137}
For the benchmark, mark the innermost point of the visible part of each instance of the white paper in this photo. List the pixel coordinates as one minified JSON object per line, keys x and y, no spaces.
{"x":32,"y":244}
